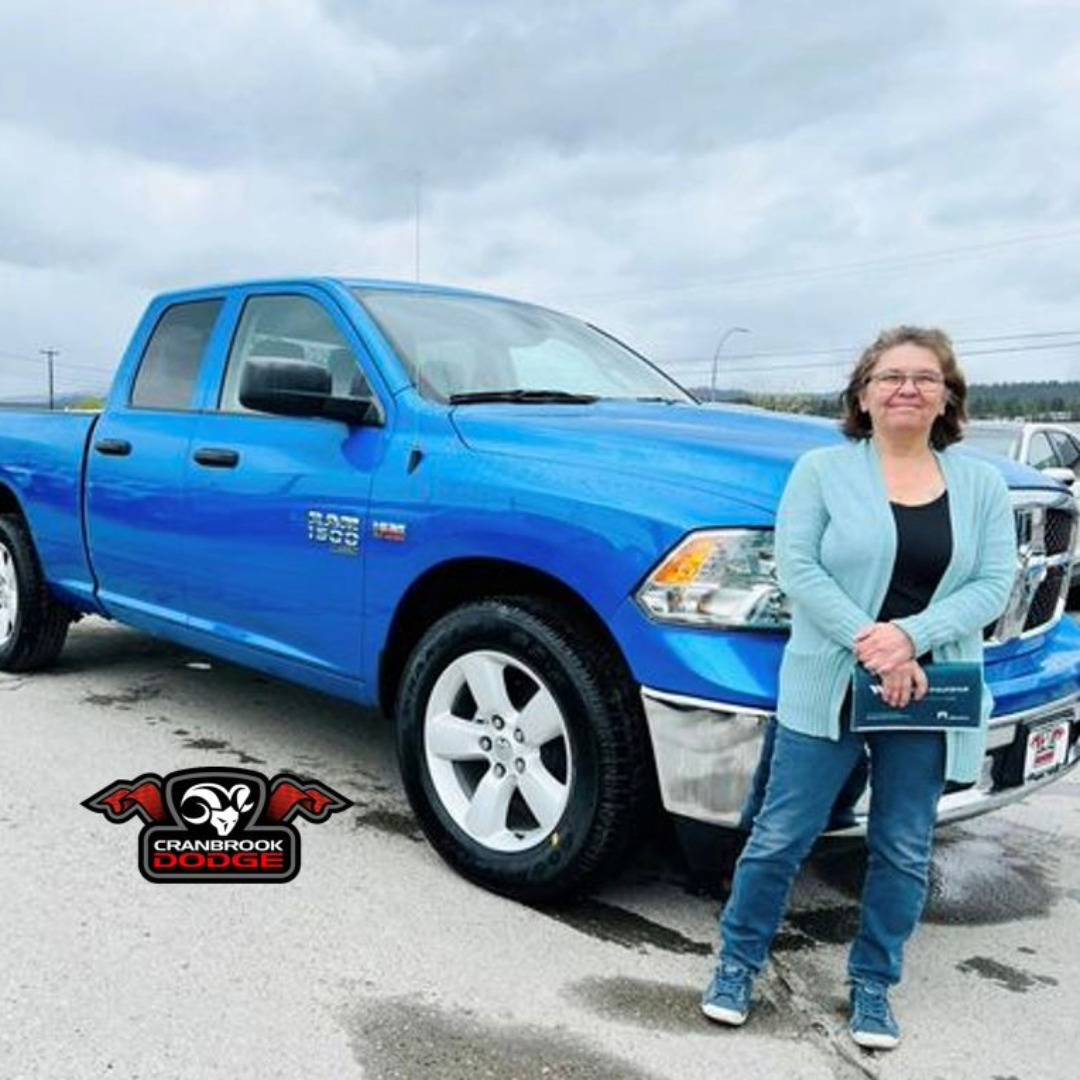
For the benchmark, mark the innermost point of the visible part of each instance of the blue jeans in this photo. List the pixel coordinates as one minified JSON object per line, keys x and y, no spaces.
{"x":842,"y":812}
{"x":906,"y":778}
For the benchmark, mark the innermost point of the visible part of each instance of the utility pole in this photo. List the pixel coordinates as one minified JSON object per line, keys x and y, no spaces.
{"x":50,"y":355}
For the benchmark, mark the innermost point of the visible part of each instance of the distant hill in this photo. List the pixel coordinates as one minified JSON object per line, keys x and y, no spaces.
{"x":1033,"y":400}
{"x":1053,"y":400}
{"x":61,"y":401}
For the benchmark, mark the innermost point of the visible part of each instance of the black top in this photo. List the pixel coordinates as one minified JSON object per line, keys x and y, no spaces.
{"x":923,"y":550}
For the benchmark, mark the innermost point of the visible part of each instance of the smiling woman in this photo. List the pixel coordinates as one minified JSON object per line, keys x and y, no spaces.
{"x":912,"y":373}
{"x":893,"y":552}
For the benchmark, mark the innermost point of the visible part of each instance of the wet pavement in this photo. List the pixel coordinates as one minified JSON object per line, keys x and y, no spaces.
{"x":378,"y":961}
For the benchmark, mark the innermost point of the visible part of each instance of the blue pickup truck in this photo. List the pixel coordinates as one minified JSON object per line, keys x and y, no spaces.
{"x":543,"y":558}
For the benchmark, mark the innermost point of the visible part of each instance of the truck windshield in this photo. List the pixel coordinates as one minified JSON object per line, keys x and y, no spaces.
{"x":465,"y":349}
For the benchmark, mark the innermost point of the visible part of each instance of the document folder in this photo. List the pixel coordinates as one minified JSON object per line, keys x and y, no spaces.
{"x":953,"y":702}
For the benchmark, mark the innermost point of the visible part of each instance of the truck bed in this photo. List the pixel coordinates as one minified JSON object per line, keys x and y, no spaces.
{"x":42,"y":457}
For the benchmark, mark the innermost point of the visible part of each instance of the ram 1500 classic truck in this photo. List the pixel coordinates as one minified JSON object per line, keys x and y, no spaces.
{"x":544,"y":559}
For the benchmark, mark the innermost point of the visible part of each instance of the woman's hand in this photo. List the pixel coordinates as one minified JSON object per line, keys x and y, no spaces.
{"x":904,"y":683}
{"x":882,"y":648}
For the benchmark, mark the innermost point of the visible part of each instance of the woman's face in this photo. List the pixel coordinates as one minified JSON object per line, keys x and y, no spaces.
{"x":905,"y":392}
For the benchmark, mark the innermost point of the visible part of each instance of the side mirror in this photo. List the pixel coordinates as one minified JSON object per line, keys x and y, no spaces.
{"x":286,"y":387}
{"x":1061,"y":475}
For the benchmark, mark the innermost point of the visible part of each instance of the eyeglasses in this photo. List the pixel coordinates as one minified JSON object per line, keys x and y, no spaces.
{"x":923,"y":381}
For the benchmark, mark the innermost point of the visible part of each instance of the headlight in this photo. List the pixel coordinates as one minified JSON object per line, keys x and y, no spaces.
{"x":723,"y":578}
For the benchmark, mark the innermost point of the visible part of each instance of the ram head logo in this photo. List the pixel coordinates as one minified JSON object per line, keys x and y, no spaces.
{"x":217,"y":805}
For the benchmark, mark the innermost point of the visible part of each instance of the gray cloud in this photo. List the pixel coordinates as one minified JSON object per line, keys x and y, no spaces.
{"x":668,"y":169}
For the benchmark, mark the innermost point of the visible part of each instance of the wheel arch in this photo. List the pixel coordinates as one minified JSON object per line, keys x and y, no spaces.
{"x":450,"y":584}
{"x":34,"y":623}
{"x":9,"y":503}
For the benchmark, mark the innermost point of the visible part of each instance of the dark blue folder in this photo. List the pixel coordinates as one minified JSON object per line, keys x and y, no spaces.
{"x":953,"y":702}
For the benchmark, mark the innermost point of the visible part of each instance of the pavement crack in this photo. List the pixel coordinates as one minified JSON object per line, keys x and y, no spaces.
{"x":849,"y":1062}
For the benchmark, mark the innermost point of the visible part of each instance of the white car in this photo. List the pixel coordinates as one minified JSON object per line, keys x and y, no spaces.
{"x":1053,"y":449}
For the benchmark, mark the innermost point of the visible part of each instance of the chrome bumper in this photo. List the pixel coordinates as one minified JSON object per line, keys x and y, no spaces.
{"x":706,"y":753}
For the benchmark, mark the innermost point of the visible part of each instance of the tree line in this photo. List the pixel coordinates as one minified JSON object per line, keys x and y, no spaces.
{"x":1051,"y":400}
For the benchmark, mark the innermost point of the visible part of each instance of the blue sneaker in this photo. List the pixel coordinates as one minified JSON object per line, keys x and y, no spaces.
{"x":872,"y":1023}
{"x":727,"y":998}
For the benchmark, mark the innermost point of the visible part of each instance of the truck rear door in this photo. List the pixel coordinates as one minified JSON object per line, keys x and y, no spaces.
{"x":136,"y":468}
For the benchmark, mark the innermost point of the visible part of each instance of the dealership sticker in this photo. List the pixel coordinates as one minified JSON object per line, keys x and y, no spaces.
{"x":217,"y":824}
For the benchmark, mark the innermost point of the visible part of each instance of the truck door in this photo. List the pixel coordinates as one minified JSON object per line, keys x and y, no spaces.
{"x":276,"y":506}
{"x":136,"y":467}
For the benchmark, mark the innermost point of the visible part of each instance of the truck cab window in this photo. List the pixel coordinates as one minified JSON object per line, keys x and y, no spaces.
{"x":170,"y":365}
{"x":295,"y":327}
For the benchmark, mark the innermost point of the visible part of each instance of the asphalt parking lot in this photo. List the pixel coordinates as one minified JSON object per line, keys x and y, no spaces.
{"x":378,"y":962}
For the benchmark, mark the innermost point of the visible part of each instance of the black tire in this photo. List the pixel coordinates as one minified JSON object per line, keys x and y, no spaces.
{"x":599,"y":763}
{"x":33,"y":624}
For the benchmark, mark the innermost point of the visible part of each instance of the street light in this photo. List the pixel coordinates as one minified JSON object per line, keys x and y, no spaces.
{"x":716,"y":355}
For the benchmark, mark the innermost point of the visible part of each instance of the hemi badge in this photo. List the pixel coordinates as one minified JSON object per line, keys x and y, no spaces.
{"x":388,"y":530}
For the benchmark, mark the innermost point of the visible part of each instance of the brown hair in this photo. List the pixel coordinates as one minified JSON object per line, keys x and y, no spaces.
{"x":946,"y":430}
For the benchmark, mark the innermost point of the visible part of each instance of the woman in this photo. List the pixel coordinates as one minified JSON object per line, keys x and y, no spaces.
{"x":894,"y":550}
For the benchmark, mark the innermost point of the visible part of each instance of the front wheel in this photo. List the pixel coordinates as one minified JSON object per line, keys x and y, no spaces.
{"x":33,"y":624}
{"x":522,"y":747}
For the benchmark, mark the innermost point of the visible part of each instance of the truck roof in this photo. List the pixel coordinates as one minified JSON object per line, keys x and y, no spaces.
{"x":380,"y":284}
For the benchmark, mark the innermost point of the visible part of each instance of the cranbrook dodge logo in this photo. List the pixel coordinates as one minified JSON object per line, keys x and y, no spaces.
{"x":218,"y":824}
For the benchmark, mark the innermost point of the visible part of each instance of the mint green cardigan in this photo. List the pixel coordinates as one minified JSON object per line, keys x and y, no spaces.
{"x":835,"y":549}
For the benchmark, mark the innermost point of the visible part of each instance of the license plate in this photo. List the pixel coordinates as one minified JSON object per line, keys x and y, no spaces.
{"x":1047,"y":749}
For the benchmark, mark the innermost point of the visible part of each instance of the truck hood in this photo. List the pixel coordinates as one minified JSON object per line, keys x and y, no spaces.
{"x":743,"y":454}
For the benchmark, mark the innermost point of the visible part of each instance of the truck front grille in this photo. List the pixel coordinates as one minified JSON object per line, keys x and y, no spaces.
{"x":1045,"y":523}
{"x":1044,"y":605}
{"x":1059,"y":531}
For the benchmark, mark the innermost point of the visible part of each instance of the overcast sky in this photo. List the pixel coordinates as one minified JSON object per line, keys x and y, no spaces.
{"x":669,"y":169}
